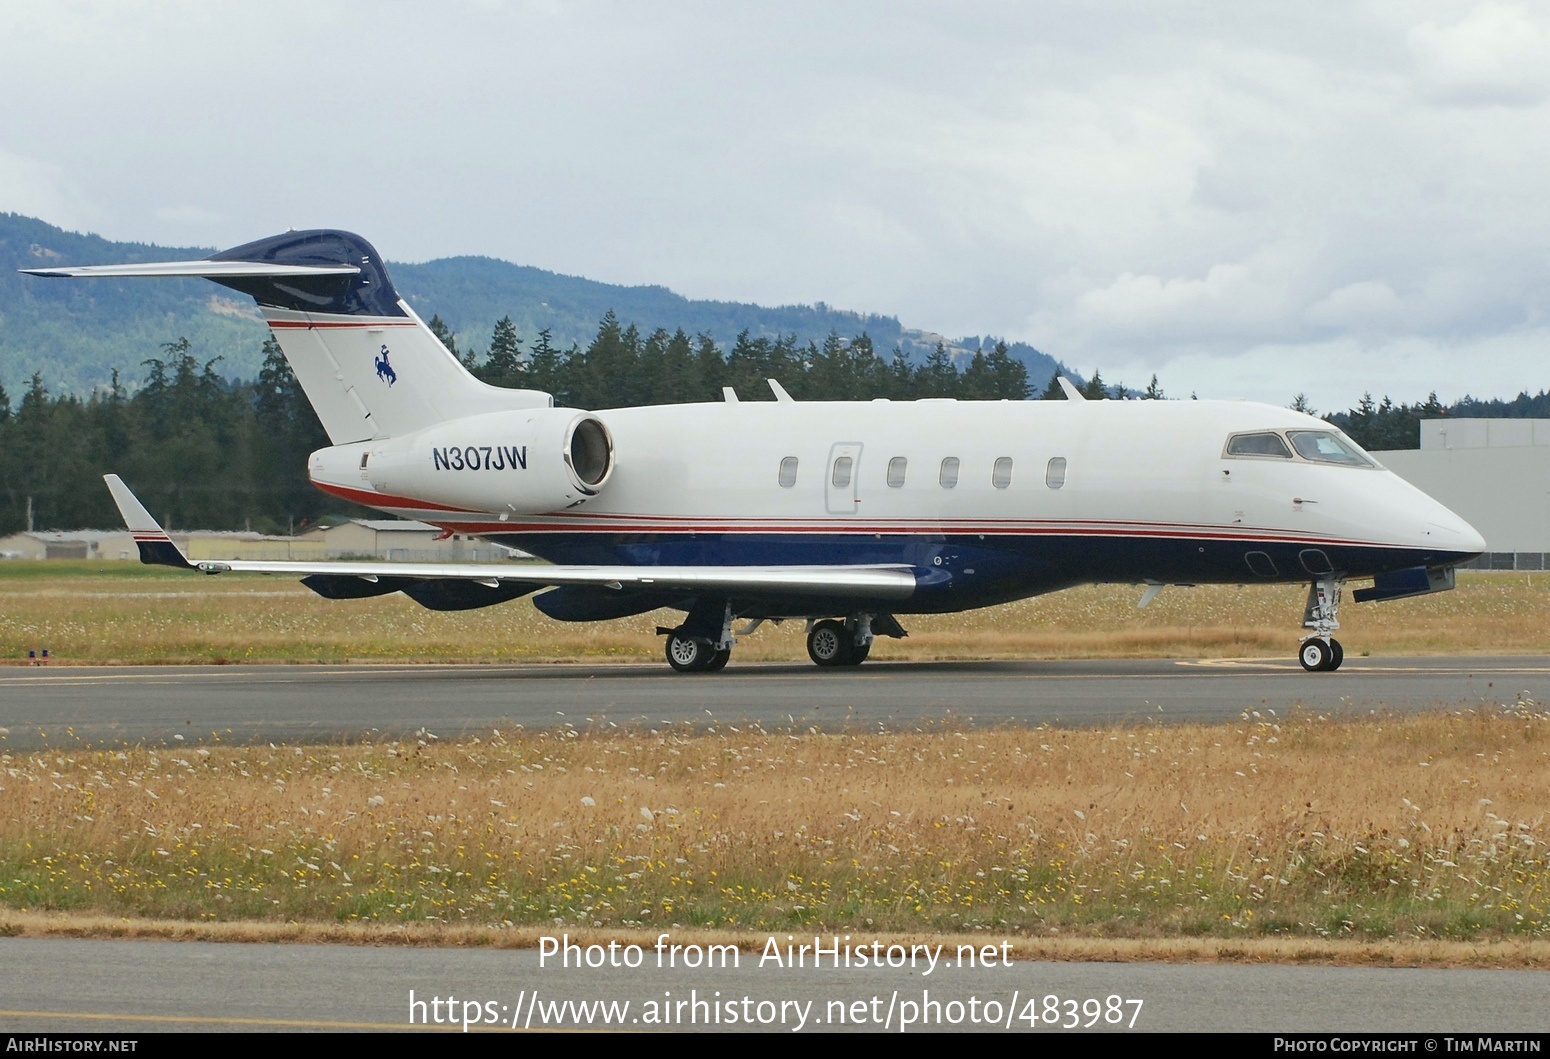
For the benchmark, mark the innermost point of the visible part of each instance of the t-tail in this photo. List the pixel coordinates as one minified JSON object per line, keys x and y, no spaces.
{"x":370,"y":367}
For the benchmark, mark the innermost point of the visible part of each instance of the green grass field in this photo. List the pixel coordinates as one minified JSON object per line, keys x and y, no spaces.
{"x":125,"y":612}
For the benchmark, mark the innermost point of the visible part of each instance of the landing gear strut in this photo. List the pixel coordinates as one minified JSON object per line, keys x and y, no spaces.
{"x":1320,"y":651}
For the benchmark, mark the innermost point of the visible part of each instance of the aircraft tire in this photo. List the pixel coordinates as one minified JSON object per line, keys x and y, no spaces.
{"x":858,"y":654}
{"x":1315,"y":655}
{"x":830,"y":644}
{"x":718,"y":660}
{"x":687,"y":655}
{"x":1336,"y":655}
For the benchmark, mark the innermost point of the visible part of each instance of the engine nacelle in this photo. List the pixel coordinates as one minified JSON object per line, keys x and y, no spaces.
{"x":528,"y":461}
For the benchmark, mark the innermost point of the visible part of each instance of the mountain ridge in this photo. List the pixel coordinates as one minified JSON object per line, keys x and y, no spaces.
{"x":77,"y":334}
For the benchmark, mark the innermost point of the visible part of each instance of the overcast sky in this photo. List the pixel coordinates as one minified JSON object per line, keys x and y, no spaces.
{"x":1249,"y":199}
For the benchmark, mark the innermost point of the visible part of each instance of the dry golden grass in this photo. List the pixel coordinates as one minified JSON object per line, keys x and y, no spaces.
{"x":1426,"y":827}
{"x":124,"y":612}
{"x":1505,"y":954}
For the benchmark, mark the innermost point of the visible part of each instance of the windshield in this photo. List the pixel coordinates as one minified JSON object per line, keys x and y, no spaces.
{"x":1326,"y":446}
{"x":1261,"y":444}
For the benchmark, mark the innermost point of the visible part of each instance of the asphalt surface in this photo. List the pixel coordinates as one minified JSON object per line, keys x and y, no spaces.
{"x":131,"y":987}
{"x":106,"y":706}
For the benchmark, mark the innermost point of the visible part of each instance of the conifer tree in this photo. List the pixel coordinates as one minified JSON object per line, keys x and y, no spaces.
{"x":937,"y":377}
{"x":503,"y":365}
{"x":1008,"y":376}
{"x":444,"y":334}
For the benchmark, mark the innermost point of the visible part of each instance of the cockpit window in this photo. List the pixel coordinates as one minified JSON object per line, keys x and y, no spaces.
{"x":1325,"y":446}
{"x":1264,"y":443}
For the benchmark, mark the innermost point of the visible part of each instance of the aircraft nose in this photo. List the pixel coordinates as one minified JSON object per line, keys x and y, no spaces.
{"x":1454,"y":533}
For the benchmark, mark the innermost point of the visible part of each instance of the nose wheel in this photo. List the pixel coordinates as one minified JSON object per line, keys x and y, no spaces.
{"x":1317,"y":656}
{"x":1321,"y":652}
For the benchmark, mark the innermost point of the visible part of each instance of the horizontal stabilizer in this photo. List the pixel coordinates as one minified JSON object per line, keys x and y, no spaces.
{"x":216,"y":270}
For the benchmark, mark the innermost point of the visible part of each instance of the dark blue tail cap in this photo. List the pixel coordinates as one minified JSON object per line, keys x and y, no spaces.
{"x":368,"y":293}
{"x":162,"y":553}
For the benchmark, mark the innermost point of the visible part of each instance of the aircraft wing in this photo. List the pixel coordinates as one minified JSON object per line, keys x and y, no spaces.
{"x":871,"y":582}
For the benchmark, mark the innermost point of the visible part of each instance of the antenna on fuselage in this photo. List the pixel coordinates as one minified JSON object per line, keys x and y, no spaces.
{"x":1072,"y":393}
{"x":779,"y":390}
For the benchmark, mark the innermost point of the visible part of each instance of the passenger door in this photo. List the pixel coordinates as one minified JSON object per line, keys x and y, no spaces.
{"x":841,"y":493}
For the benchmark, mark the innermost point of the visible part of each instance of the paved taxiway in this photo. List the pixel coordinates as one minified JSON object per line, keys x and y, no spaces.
{"x":115,"y":705}
{"x":131,"y":987}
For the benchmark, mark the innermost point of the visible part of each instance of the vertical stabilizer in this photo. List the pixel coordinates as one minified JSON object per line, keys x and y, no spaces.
{"x":369,"y":366}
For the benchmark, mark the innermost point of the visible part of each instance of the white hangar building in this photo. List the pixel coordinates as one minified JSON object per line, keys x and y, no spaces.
{"x":1495,"y":473}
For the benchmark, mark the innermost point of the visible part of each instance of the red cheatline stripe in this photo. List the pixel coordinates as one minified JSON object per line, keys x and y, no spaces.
{"x":547,"y":529}
{"x":371,"y":499}
{"x":676,"y":524}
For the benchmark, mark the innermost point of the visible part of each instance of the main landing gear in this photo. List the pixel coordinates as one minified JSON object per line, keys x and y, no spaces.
{"x":703,"y":643}
{"x":837,"y":643}
{"x":1320,"y":651}
{"x":689,"y":655}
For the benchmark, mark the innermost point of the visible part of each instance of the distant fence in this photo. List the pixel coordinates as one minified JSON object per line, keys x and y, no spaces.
{"x":468,"y":553}
{"x":1509,"y":561}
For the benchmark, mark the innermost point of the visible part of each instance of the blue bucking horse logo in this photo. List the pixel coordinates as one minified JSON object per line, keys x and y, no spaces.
{"x":384,"y":369}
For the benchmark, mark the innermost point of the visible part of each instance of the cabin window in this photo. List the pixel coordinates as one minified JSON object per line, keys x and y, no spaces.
{"x":1325,"y":446}
{"x":1262,"y":443}
{"x":949,"y":475}
{"x":1001,"y":475}
{"x":896,"y":468}
{"x":841,"y":476}
{"x":788,"y":472}
{"x":1055,"y":473}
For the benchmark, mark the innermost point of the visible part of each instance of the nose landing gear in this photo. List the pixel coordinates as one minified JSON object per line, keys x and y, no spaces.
{"x":1320,"y":651}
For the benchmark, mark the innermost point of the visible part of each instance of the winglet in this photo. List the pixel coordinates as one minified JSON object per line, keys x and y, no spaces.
{"x":156,"y":548}
{"x":1072,"y":393}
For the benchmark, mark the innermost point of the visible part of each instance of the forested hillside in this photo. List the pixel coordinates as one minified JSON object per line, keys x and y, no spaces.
{"x":78,"y":333}
{"x":205,"y":450}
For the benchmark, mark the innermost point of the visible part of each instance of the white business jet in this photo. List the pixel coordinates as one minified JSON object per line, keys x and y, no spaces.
{"x":843,"y":514}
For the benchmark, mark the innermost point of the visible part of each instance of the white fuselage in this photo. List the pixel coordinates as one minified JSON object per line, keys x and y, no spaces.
{"x":1095,"y":490}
